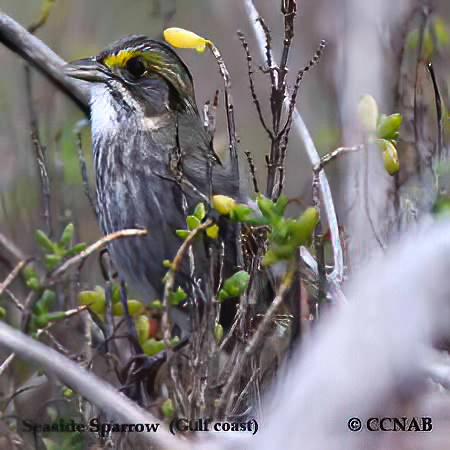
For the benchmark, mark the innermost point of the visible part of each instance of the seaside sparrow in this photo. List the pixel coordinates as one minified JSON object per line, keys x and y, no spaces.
{"x":152,"y":155}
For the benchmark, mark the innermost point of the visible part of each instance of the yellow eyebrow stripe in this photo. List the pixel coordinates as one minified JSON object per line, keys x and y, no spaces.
{"x":121,"y":58}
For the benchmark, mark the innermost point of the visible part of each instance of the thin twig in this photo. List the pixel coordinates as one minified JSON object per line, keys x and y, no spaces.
{"x":6,"y":363}
{"x":43,"y":175}
{"x":15,"y":300}
{"x":13,"y":275}
{"x":251,"y":165}
{"x":11,"y":248}
{"x":39,"y":150}
{"x":174,"y":268}
{"x":319,"y":249}
{"x":232,"y":137}
{"x":84,"y":176}
{"x":256,"y":340}
{"x":438,"y":102}
{"x":335,"y":154}
{"x":252,"y":84}
{"x":329,"y":210}
{"x":100,"y":393}
{"x":92,"y":248}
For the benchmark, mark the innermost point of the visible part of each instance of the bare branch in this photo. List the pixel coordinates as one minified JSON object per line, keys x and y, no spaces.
{"x":98,"y":392}
{"x":13,"y":275}
{"x":299,"y":125}
{"x":256,"y":340}
{"x":30,"y":48}
{"x":252,"y":84}
{"x":232,"y":137}
{"x":92,"y":248}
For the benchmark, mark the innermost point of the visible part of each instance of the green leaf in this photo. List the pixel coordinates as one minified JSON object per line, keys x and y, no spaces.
{"x":51,"y":261}
{"x":135,"y":308}
{"x":48,"y":299}
{"x":40,"y":321}
{"x":44,"y":242}
{"x":151,"y":346}
{"x":143,"y":328}
{"x":235,"y":285}
{"x":66,"y":236}
{"x":33,"y":284}
{"x":280,"y":205}
{"x":29,"y":272}
{"x":267,"y":207}
{"x":183,"y":234}
{"x":2,"y":312}
{"x":192,"y":222}
{"x":95,"y":300}
{"x":175,"y":298}
{"x":307,"y":222}
{"x":75,"y":250}
{"x":218,"y":332}
{"x":56,"y":316}
{"x":115,"y":293}
{"x":200,"y":211}
{"x":388,"y":126}
{"x":156,"y":304}
{"x":241,"y":213}
{"x":168,"y":408}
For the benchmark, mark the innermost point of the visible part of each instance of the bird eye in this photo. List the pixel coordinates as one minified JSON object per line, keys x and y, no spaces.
{"x":136,"y":67}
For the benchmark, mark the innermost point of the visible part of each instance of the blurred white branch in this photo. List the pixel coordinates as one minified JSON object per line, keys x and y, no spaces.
{"x":104,"y":396}
{"x":367,"y":357}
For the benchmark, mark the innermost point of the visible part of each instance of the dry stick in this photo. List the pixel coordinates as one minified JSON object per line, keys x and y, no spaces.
{"x":92,"y":248}
{"x":438,"y":102}
{"x":15,"y":300}
{"x":13,"y":275}
{"x":30,"y":48}
{"x":284,"y":133}
{"x":174,"y":268}
{"x":11,"y":248}
{"x":319,"y":248}
{"x":84,"y":176}
{"x":100,"y":393}
{"x":230,"y":110}
{"x":39,"y":151}
{"x":6,"y":363}
{"x":278,"y":92}
{"x":252,"y":84}
{"x":338,"y":270}
{"x":289,"y":10}
{"x":259,"y":334}
{"x":425,"y":16}
{"x":251,"y":165}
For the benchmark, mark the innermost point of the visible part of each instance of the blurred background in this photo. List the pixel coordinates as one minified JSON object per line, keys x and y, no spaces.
{"x":362,"y":56}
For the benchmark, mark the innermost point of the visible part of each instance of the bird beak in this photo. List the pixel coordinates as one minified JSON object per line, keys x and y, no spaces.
{"x":87,"y":69}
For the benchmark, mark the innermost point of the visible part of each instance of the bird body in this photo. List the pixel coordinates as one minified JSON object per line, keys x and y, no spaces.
{"x":152,"y":154}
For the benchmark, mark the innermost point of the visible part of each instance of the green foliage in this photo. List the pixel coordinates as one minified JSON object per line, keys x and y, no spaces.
{"x":176,"y":297}
{"x":435,"y":37}
{"x":168,"y":408}
{"x":388,"y":126}
{"x":57,"y":252}
{"x":234,"y":286}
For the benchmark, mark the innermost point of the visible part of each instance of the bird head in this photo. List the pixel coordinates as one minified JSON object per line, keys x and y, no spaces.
{"x":138,"y":69}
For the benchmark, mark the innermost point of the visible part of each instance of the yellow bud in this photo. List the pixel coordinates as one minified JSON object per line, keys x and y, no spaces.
{"x":390,"y":156}
{"x":368,"y":113}
{"x":180,"y":38}
{"x":213,"y":231}
{"x":223,"y":204}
